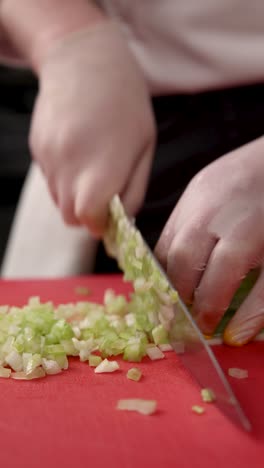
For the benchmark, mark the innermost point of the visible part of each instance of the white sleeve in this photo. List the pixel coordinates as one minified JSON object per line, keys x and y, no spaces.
{"x":40,"y":244}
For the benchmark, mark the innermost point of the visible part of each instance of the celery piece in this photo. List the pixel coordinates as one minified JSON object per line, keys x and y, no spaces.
{"x":198,"y":409}
{"x":94,"y":361}
{"x":238,"y":373}
{"x":146,"y":407}
{"x":106,"y":366}
{"x":134,"y":374}
{"x":207,"y":395}
{"x":160,"y":335}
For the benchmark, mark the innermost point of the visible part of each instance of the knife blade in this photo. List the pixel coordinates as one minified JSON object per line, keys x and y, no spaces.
{"x":124,"y":242}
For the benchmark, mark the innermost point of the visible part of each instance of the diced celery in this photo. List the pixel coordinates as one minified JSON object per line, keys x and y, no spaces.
{"x":134,"y":352}
{"x":207,"y":395}
{"x":198,"y":409}
{"x":134,"y":374}
{"x":50,"y":367}
{"x":154,"y":352}
{"x":30,"y":362}
{"x":145,"y":407}
{"x":106,"y":366}
{"x":160,"y":335}
{"x":238,"y":373}
{"x":5,"y":372}
{"x":94,"y":360}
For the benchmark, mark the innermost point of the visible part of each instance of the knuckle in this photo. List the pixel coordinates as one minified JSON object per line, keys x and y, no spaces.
{"x":178,"y":264}
{"x":63,"y":144}
{"x":178,"y":254}
{"x":52,"y":144}
{"x":231,"y":256}
{"x":39,"y":144}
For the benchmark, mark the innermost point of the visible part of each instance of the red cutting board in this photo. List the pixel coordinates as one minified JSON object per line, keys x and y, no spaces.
{"x":70,"y":420}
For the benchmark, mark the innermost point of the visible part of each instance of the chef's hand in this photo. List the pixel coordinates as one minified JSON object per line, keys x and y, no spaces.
{"x":93,"y":130}
{"x":214,"y":236}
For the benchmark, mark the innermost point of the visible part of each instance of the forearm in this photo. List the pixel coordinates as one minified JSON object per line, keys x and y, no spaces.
{"x":33,"y":26}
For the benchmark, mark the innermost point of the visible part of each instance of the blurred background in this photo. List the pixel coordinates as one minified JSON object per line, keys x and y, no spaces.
{"x":18,"y":89}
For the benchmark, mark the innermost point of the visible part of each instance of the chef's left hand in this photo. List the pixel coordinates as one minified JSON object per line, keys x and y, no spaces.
{"x":215,"y":236}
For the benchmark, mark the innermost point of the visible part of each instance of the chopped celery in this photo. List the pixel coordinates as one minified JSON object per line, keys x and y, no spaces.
{"x":4,"y":372}
{"x":94,"y":360}
{"x":134,"y":352}
{"x":124,"y":242}
{"x":145,"y":407}
{"x":115,"y":304}
{"x":82,"y":291}
{"x":30,"y":362}
{"x":50,"y":366}
{"x":61,"y":330}
{"x":238,"y":373}
{"x":54,"y":349}
{"x":207,"y":395}
{"x":166,"y":347}
{"x":106,"y":366}
{"x":134,"y":374}
{"x":42,"y":336}
{"x":198,"y":409}
{"x":35,"y":374}
{"x":154,"y":352}
{"x":14,"y":360}
{"x":36,"y":339}
{"x":160,"y":335}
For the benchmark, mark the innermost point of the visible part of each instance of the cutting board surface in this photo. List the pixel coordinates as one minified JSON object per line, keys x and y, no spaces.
{"x":70,"y":420}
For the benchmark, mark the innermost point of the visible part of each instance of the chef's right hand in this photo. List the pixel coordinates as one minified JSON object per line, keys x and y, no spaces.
{"x":93,"y":130}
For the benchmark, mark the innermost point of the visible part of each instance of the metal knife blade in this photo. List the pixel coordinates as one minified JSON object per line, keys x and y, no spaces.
{"x":198,"y":357}
{"x":201,"y":362}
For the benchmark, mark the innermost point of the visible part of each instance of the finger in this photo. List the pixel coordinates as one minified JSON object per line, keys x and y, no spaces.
{"x":166,"y":237}
{"x":91,"y":201}
{"x":133,"y":194}
{"x":228,"y":264}
{"x":249,"y":319}
{"x":65,"y":202}
{"x":181,"y":216}
{"x":95,"y":189}
{"x":187,"y":258}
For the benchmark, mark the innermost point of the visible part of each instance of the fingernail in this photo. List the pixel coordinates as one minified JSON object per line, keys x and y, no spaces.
{"x":207,"y":323}
{"x":238,"y":336}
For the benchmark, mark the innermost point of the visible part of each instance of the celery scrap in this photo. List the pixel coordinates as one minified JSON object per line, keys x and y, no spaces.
{"x":134,"y":374}
{"x":238,"y":373}
{"x":198,"y":409}
{"x":146,"y":407}
{"x":106,"y":366}
{"x":39,"y":337}
{"x":94,"y":361}
{"x":207,"y":395}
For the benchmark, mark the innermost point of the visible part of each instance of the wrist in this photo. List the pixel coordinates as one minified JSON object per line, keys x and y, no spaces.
{"x":35,"y":27}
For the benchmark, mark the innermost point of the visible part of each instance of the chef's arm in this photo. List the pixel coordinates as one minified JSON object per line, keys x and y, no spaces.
{"x":33,"y":26}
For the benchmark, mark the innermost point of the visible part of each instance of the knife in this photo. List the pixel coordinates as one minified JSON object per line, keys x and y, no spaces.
{"x":124,"y":242}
